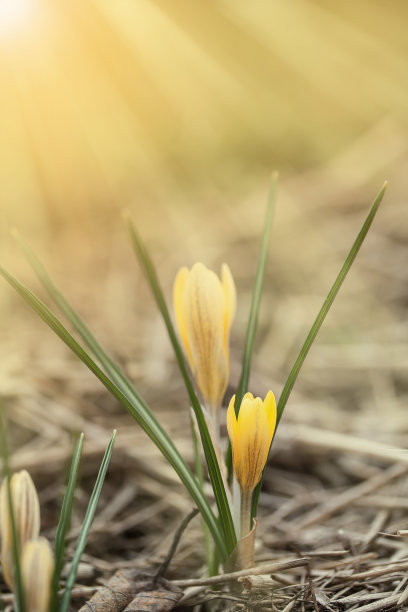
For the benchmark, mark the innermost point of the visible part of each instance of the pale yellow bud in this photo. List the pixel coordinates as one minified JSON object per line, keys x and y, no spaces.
{"x":26,"y":511}
{"x":251,"y":436}
{"x":204,"y":307}
{"x":37,"y":567}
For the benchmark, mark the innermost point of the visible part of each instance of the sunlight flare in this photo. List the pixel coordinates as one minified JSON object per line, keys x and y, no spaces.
{"x":14,"y":14}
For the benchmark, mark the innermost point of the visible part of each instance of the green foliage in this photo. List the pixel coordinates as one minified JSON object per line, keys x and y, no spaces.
{"x":256,"y":296}
{"x":64,"y":521}
{"x":293,"y":374}
{"x":86,"y":526}
{"x":254,"y":310}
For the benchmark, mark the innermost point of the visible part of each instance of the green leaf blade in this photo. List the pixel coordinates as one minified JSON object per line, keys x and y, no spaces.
{"x":331,"y":296}
{"x":64,"y":521}
{"x":254,"y":310}
{"x":86,"y":526}
{"x":256,"y":296}
{"x":110,"y":367}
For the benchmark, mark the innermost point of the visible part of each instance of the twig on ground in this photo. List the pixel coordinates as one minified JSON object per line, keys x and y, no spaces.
{"x":271,"y":568}
{"x":176,"y":539}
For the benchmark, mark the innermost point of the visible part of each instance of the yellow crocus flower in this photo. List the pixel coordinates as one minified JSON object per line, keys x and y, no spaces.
{"x":204,"y":307}
{"x":37,"y":567}
{"x":26,"y":509}
{"x":251,"y":436}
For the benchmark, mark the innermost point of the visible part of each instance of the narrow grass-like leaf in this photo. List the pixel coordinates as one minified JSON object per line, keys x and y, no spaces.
{"x":209,"y":452}
{"x":254,"y":310}
{"x":256,"y":297}
{"x":64,"y":521}
{"x":293,"y":374}
{"x":86,"y":526}
{"x":200,"y":477}
{"x":17,"y":578}
{"x":327,"y":304}
{"x":136,"y":407}
{"x":110,"y":367}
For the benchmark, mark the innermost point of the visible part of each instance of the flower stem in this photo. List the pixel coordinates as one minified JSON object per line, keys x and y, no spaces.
{"x":246,"y":503}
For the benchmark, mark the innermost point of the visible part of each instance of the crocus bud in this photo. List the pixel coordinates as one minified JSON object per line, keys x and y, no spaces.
{"x":26,"y":511}
{"x":204,"y":307}
{"x":37,"y":567}
{"x":251,"y":435}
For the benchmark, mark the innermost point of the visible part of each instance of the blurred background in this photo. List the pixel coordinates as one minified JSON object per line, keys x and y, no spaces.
{"x":158,"y":105}
{"x":179,"y":112}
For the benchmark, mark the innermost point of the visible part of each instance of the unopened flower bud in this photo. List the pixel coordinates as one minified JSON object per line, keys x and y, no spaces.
{"x":37,"y":567}
{"x":26,"y":510}
{"x":251,"y":436}
{"x":204,"y":307}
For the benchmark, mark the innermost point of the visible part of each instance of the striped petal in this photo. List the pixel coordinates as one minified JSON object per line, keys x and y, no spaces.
{"x":251,"y":436}
{"x":203,"y":306}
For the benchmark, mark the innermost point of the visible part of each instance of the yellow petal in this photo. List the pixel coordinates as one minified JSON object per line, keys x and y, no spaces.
{"x":251,"y":437}
{"x":178,"y":296}
{"x":231,"y":419}
{"x":248,"y":396}
{"x":203,"y":308}
{"x":26,"y":511}
{"x":270,"y":410}
{"x":230,"y":296}
{"x":37,"y":567}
